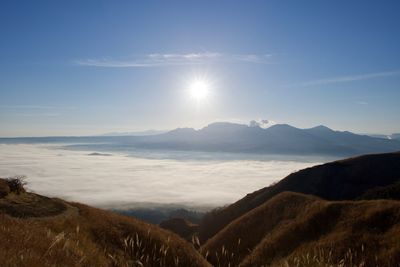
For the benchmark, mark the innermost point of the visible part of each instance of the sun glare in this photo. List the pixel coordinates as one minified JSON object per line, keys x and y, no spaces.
{"x":199,"y":89}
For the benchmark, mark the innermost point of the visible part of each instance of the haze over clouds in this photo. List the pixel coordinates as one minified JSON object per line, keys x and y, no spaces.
{"x":124,"y":181}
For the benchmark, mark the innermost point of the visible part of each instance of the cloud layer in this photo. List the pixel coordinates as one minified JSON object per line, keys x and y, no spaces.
{"x":120,"y":181}
{"x":158,"y":60}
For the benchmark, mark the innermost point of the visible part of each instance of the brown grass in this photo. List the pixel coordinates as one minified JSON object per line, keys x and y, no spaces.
{"x":181,"y":227}
{"x":269,"y":227}
{"x":27,"y":205}
{"x":79,"y":235}
{"x":340,"y":180}
{"x":310,"y":232}
{"x":232,"y":244}
{"x":291,"y":229}
{"x":122,"y":236}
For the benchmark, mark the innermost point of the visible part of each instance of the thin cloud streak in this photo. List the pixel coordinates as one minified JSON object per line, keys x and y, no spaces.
{"x":351,"y":78}
{"x":159,"y":60}
{"x":34,"y":107}
{"x":37,"y":114}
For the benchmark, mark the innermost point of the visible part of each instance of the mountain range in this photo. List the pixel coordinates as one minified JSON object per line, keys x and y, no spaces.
{"x":138,"y":133}
{"x":277,"y":139}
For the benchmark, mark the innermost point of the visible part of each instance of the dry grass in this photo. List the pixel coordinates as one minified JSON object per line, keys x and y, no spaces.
{"x":385,"y":192}
{"x":91,"y":238}
{"x":291,"y":229}
{"x":149,"y":244}
{"x":267,"y":228}
{"x":340,"y":180}
{"x":182,"y":227}
{"x":233,"y":243}
{"x":319,"y":257}
{"x":33,"y":243}
{"x":58,"y":233}
{"x":312,"y":232}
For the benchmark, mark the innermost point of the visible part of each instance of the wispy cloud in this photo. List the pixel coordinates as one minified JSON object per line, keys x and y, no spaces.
{"x":351,"y":78}
{"x":37,"y":114}
{"x":33,"y":107}
{"x":159,"y":60}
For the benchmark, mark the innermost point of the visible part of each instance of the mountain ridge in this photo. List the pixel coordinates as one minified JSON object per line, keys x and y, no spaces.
{"x":226,"y":137}
{"x":39,"y":231}
{"x":293,"y":229}
{"x":351,"y":178}
{"x":276,"y":139}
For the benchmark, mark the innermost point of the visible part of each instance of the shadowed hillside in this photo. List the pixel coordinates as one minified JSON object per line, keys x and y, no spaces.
{"x":383,"y":192}
{"x":246,"y":232}
{"x":182,"y":227}
{"x":339,"y":180}
{"x":297,"y":229}
{"x":40,"y":231}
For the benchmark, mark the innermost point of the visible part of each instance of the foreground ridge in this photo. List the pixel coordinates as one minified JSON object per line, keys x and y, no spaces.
{"x":40,"y":231}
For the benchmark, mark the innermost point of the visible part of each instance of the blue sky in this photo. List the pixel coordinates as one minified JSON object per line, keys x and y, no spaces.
{"x":90,"y":67}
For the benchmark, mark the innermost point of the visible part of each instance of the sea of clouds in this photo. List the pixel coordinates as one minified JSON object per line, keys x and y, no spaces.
{"x":126,"y":181}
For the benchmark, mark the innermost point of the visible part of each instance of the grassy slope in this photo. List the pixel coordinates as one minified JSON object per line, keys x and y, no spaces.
{"x":182,"y":227}
{"x":383,"y":192}
{"x":349,"y":178}
{"x":71,"y":234}
{"x":269,"y":226}
{"x":295,"y":228}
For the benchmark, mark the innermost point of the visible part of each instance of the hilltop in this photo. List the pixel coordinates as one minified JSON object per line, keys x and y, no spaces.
{"x":342,"y":213}
{"x":339,"y":180}
{"x":39,"y":231}
{"x":293,"y":229}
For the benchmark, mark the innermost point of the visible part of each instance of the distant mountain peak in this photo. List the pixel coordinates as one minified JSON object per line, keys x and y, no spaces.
{"x":180,"y":131}
{"x":283,"y":126}
{"x":137,"y":133}
{"x":223,"y":126}
{"x":183,"y":129}
{"x":321,"y":128}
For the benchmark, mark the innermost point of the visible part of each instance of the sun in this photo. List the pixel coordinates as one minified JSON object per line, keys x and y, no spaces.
{"x":199,"y":89}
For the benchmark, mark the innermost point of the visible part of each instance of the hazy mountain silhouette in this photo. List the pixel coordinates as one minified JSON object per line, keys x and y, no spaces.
{"x":395,"y":136}
{"x":138,"y":133}
{"x":277,"y":139}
